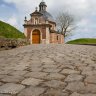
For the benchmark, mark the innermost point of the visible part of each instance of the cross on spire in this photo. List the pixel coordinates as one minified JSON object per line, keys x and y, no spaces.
{"x":42,"y":0}
{"x":36,"y":8}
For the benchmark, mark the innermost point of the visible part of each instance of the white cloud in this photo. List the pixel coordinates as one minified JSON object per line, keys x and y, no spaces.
{"x":83,"y":10}
{"x":83,"y":22}
{"x":12,"y":20}
{"x":78,"y":7}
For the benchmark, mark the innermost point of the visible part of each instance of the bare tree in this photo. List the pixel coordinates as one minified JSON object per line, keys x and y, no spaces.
{"x":65,"y":23}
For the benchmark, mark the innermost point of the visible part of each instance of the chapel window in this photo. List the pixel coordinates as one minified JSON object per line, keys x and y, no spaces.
{"x":57,"y":37}
{"x":36,"y":21}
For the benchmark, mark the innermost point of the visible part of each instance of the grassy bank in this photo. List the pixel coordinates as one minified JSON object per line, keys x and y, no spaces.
{"x":83,"y":41}
{"x":8,"y":31}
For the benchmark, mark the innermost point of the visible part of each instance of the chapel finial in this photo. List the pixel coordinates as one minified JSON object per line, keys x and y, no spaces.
{"x":36,"y":9}
{"x":25,"y":18}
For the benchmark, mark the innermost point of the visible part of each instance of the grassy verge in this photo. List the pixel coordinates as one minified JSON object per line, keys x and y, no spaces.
{"x":8,"y":31}
{"x":84,"y":41}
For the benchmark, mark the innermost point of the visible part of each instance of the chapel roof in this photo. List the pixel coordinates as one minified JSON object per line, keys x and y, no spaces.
{"x":42,"y":11}
{"x":47,"y":16}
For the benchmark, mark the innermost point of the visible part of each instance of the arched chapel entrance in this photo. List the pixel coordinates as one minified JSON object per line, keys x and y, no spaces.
{"x":36,"y":37}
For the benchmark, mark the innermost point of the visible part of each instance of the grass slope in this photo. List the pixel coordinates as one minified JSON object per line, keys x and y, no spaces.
{"x":9,"y":31}
{"x":83,"y":41}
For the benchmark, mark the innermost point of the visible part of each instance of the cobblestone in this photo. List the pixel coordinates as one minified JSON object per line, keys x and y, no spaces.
{"x":48,"y":70}
{"x":55,"y":84}
{"x":36,"y":74}
{"x":4,"y":95}
{"x":73,"y":78}
{"x":11,"y":88}
{"x":77,"y":94}
{"x":55,"y":76}
{"x":69,"y":71}
{"x":54,"y":92}
{"x":91,"y":79}
{"x":32,"y":81}
{"x":12,"y":79}
{"x":32,"y":91}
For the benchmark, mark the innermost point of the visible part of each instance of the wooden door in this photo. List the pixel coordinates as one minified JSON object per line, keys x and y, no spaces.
{"x":36,"y":37}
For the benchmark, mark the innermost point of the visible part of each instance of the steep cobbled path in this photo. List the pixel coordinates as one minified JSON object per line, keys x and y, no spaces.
{"x":48,"y":70}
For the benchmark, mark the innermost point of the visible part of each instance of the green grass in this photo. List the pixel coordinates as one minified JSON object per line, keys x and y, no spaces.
{"x":83,"y":41}
{"x":8,"y":31}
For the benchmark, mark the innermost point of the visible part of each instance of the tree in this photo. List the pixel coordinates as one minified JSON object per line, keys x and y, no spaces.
{"x":65,"y":23}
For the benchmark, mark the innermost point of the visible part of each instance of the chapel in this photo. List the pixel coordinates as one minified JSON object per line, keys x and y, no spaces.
{"x":41,"y":28}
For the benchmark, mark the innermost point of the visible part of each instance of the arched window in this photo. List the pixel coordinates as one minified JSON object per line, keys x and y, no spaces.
{"x":57,"y":37}
{"x":36,"y":21}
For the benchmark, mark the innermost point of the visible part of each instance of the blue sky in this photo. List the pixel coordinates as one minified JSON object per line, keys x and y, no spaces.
{"x":84,"y":11}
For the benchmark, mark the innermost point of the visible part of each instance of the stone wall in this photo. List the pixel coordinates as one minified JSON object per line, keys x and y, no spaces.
{"x":6,"y":43}
{"x":53,"y":38}
{"x":62,"y":39}
{"x":56,"y":38}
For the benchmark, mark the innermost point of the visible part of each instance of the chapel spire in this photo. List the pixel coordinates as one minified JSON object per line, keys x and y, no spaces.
{"x":42,"y":6}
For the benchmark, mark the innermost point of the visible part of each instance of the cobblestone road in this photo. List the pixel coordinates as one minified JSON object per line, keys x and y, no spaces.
{"x":48,"y":70}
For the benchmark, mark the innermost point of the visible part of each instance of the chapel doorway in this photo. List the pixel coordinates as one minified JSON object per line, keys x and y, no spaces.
{"x":36,"y":37}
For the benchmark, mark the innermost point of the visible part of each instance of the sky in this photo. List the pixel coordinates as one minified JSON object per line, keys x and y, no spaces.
{"x":84,"y":12}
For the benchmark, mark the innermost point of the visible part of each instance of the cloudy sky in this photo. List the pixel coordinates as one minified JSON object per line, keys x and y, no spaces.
{"x":84,"y":11}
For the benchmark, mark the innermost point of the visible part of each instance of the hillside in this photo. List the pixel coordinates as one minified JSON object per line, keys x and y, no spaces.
{"x":83,"y":41}
{"x":9,"y":31}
